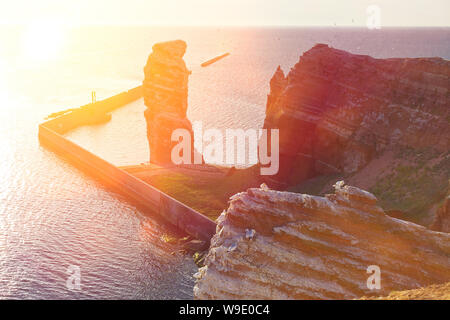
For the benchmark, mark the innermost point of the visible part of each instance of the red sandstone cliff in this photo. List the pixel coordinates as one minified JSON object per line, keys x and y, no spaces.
{"x":165,"y":90}
{"x":338,"y":112}
{"x":433,"y":292}
{"x":442,"y":219}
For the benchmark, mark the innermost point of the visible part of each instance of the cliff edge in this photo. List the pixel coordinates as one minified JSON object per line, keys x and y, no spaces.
{"x":281,"y":245}
{"x":381,"y":124}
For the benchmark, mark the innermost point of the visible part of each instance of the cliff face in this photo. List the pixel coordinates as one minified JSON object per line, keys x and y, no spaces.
{"x":280,"y":245}
{"x":442,"y":219}
{"x":336,"y":110}
{"x":165,"y":90}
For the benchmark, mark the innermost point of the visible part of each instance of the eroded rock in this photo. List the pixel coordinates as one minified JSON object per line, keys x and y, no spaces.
{"x":281,"y":245}
{"x":337,"y":111}
{"x":165,"y":89}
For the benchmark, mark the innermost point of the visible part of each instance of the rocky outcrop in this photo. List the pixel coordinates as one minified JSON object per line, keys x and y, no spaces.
{"x":280,"y":245}
{"x":433,"y":292}
{"x":442,"y":219}
{"x":337,"y":111}
{"x":165,"y":90}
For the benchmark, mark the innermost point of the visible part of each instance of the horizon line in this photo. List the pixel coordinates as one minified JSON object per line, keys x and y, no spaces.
{"x":229,"y":25}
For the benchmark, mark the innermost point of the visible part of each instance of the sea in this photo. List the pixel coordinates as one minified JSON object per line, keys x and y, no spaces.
{"x":54,"y":219}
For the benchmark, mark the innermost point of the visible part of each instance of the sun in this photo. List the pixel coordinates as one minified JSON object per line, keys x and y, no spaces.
{"x":42,"y":40}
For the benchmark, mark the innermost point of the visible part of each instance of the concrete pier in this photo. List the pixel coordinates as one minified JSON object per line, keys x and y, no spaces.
{"x":152,"y":199}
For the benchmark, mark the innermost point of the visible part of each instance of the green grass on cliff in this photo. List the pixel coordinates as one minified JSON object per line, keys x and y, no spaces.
{"x":415,"y":187}
{"x":413,"y":183}
{"x":206,"y":194}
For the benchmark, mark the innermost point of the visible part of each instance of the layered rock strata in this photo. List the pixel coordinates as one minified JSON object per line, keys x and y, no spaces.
{"x":281,"y":245}
{"x":336,"y":111}
{"x":165,"y":90}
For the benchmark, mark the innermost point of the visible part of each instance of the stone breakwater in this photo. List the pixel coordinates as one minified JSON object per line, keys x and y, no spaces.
{"x":280,"y":245}
{"x":336,"y":111}
{"x":165,"y":90}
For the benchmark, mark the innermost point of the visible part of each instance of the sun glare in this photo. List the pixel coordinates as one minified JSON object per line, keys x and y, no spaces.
{"x":42,"y":40}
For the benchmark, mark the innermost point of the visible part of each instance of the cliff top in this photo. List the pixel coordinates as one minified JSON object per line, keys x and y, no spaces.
{"x":175,"y":48}
{"x":322,"y":47}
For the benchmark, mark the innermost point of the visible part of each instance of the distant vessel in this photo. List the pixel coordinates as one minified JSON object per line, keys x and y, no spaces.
{"x":207,"y":63}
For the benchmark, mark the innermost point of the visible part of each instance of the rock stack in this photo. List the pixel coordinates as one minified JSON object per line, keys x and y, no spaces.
{"x":165,"y":90}
{"x":281,"y":245}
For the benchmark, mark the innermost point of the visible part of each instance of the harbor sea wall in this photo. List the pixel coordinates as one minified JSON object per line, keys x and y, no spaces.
{"x":151,"y":199}
{"x":92,"y":113}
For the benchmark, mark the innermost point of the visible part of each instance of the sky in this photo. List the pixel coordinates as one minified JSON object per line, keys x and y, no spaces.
{"x":226,"y":12}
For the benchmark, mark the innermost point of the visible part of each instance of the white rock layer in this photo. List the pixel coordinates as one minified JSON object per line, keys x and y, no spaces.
{"x":281,"y":245}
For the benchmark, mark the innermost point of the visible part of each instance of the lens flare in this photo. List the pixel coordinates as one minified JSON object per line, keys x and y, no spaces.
{"x":42,"y":40}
